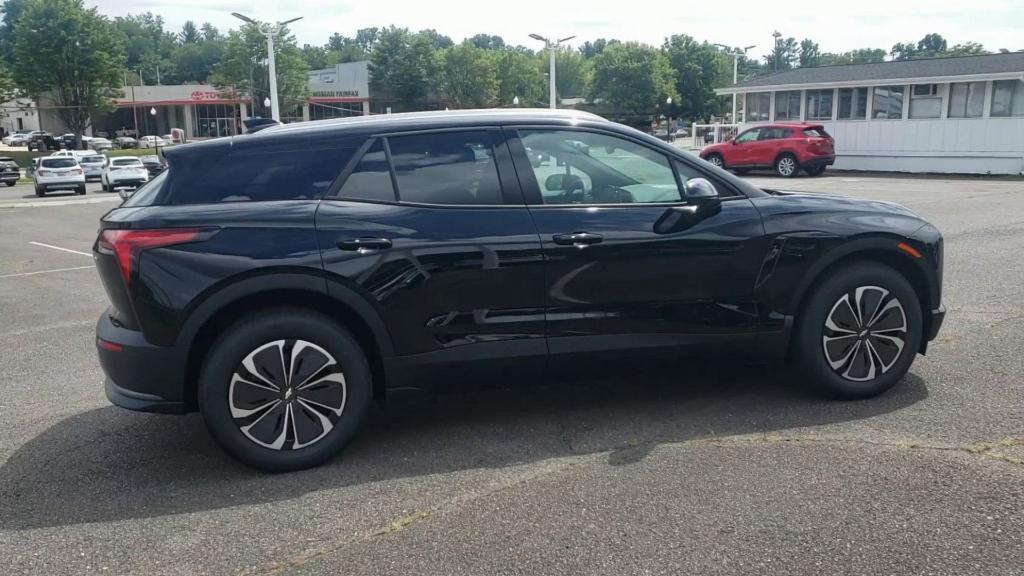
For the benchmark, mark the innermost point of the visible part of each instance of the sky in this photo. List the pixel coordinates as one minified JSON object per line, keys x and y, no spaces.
{"x":844,"y":26}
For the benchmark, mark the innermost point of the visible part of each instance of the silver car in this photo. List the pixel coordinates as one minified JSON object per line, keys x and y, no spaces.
{"x":93,"y":165}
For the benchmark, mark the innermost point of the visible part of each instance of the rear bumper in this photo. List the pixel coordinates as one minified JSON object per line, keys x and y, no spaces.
{"x":60,"y":184}
{"x":141,"y":376}
{"x":818,"y":161}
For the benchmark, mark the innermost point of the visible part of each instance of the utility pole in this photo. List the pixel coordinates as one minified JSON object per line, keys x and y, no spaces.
{"x":735,"y":72}
{"x":270,"y":31}
{"x":551,"y":46}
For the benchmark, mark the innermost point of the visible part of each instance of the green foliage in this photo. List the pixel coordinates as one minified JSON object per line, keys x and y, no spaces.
{"x":859,"y":56}
{"x":810,"y":54}
{"x":572,"y":74}
{"x":12,"y":10}
{"x":437,"y":40}
{"x":699,"y":68}
{"x":242,"y":70}
{"x":72,"y":52}
{"x":966,"y":49}
{"x":469,"y":77}
{"x":518,"y":75}
{"x":934,"y":46}
{"x":633,"y":77}
{"x":784,"y":55}
{"x":403,"y":67}
{"x":487,"y":42}
{"x":189,"y":33}
{"x":590,"y":49}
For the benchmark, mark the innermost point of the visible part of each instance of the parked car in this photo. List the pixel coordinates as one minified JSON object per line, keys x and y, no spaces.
{"x":17,"y":138}
{"x":153,"y":163}
{"x":152,"y":142}
{"x":93,"y":165}
{"x":10,"y":172}
{"x":125,"y":142}
{"x":73,"y":153}
{"x":281,"y":281}
{"x":681,"y":133}
{"x":100,"y":144}
{"x":42,"y":141}
{"x":123,"y":171}
{"x":786,"y":148}
{"x":168,"y":140}
{"x":58,"y":173}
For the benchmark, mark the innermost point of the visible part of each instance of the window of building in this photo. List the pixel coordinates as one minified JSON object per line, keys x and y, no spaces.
{"x":214,"y":120}
{"x":925,"y":101}
{"x":588,"y":168}
{"x":324,"y":110}
{"x":257,"y":174}
{"x":371,"y":178}
{"x":291,"y":113}
{"x":758,"y":106}
{"x":446,"y":168}
{"x":819,"y":104}
{"x":966,"y":99}
{"x":787,"y":105}
{"x":853,"y":103}
{"x":887,"y":102}
{"x":1008,"y":98}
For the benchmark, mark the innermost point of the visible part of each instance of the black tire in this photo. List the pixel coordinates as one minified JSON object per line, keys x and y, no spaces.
{"x":40,"y":192}
{"x":716,"y":160}
{"x":787,"y":166}
{"x":817,"y":347}
{"x":104,"y":186}
{"x":815,"y":170}
{"x":80,"y":190}
{"x":10,"y":183}
{"x":261,"y":331}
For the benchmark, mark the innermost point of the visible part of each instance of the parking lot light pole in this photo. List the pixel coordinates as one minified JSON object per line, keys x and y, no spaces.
{"x":551,"y":45}
{"x":735,"y":71}
{"x":270,"y":31}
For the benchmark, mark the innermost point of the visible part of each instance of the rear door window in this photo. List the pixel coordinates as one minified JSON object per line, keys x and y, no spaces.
{"x":371,"y":177}
{"x":815,"y":133}
{"x":259,"y":174}
{"x":58,"y":163}
{"x":453,"y":168}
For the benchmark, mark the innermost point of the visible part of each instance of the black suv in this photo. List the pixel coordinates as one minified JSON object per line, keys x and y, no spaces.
{"x":281,"y":280}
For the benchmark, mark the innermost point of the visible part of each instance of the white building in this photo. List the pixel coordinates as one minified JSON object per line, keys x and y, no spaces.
{"x":953,"y":115}
{"x":19,"y":114}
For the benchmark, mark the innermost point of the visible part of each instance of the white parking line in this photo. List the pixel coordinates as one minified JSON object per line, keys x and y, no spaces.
{"x":69,"y":202}
{"x":43,"y":272}
{"x":61,"y":249}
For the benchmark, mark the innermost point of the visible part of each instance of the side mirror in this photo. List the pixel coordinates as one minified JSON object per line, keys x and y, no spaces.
{"x":702,"y":202}
{"x":733,"y":141}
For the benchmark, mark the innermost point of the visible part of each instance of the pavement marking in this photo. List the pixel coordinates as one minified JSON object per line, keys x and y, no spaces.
{"x":19,"y":274}
{"x":37,"y":203}
{"x":61,"y":249}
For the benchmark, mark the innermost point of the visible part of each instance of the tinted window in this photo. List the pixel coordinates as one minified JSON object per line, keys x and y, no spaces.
{"x":815,"y":133}
{"x":258,"y":174}
{"x":58,"y":162}
{"x":446,"y":168}
{"x":147,"y":194}
{"x":589,"y":168}
{"x":774,"y":133}
{"x":371,"y":179}
{"x":93,"y":159}
{"x":125,"y":162}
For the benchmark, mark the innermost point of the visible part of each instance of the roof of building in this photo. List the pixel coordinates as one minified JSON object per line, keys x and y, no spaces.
{"x":987,"y":64}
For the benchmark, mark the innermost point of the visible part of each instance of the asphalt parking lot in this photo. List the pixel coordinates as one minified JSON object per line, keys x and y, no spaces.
{"x":710,"y":471}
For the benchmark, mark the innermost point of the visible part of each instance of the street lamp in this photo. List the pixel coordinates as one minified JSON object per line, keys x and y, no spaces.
{"x":515,"y":100}
{"x":735,"y":71}
{"x":668,"y":128}
{"x":551,"y":45}
{"x":270,"y":31}
{"x":152,"y":112}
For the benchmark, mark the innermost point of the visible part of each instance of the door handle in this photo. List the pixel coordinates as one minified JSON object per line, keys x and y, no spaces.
{"x":577,"y":239}
{"x":364,"y":245}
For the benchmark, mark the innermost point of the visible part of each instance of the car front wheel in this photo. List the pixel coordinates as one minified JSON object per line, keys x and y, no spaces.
{"x":859,"y":331}
{"x":284,"y":389}
{"x":787,"y":166}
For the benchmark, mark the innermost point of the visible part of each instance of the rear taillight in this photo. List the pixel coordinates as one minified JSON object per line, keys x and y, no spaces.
{"x":126,"y":245}
{"x":75,"y":171}
{"x":43,"y":172}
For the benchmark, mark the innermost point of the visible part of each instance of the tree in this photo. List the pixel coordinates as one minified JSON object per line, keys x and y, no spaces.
{"x":931,"y":45}
{"x":699,"y":68}
{"x":242,"y":69}
{"x":518,"y":75}
{"x":634,"y":78}
{"x":210,"y":32}
{"x":469,"y":76}
{"x":966,"y":49}
{"x":195,"y":61}
{"x":315,"y":56}
{"x":437,"y":40}
{"x":402,"y":67}
{"x":901,"y":51}
{"x":572,"y":74}
{"x":810,"y":54}
{"x":12,"y":10}
{"x":189,"y":33}
{"x":783,"y":56}
{"x":858,"y":56}
{"x":487,"y":42}
{"x":590,"y":49}
{"x":72,"y":53}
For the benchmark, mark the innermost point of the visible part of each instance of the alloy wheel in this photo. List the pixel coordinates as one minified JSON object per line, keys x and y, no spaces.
{"x":786,"y":166}
{"x":287,"y":394}
{"x":865,"y":333}
{"x":715,"y":161}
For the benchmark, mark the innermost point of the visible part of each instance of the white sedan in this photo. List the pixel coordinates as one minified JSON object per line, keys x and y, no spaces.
{"x":152,"y":142}
{"x":123,"y":171}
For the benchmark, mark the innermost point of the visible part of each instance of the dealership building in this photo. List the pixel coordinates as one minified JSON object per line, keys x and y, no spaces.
{"x":953,"y":115}
{"x":203,"y":111}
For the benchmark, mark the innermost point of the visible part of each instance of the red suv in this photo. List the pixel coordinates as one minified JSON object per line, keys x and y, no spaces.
{"x":786,"y":148}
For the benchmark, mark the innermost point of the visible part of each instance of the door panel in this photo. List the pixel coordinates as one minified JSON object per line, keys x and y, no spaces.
{"x":743,"y":146}
{"x":612,"y":282}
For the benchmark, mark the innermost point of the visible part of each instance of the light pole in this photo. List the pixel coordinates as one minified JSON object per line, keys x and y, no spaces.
{"x":270,"y":31}
{"x":668,"y":127}
{"x":551,"y":45}
{"x":152,"y":112}
{"x":735,"y":72}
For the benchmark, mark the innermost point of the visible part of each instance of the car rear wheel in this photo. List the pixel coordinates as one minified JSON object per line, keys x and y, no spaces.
{"x":716,"y":160}
{"x":80,"y":190}
{"x":859,"y":331}
{"x":284,"y":389}
{"x":815,"y":170}
{"x":40,"y":191}
{"x":787,"y":166}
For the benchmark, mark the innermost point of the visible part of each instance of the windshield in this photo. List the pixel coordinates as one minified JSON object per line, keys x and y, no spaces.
{"x":93,"y":160}
{"x":58,"y":163}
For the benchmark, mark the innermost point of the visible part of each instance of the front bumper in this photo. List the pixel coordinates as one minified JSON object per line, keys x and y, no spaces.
{"x":935,"y":322}
{"x":141,"y":376}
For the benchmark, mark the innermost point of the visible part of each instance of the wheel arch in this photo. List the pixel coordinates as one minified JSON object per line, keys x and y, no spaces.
{"x":879,"y":252}
{"x":310,"y":292}
{"x":786,"y":152}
